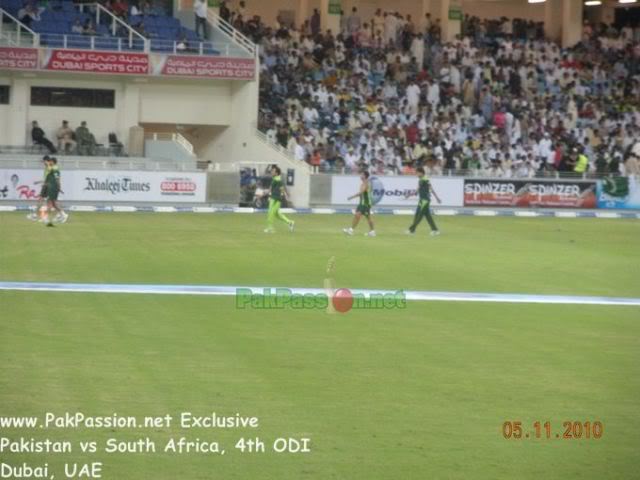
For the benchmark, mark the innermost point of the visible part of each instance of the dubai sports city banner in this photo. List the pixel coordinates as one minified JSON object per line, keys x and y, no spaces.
{"x":530,"y":193}
{"x":92,"y":61}
{"x":619,"y":192}
{"x":127,"y":63}
{"x":108,"y":186}
{"x":222,"y":68}
{"x":396,"y":191}
{"x":18,"y":58}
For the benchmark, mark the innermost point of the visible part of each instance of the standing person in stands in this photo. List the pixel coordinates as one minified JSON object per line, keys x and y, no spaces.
{"x":200,"y":11}
{"x":39,"y":138}
{"x":225,"y":13}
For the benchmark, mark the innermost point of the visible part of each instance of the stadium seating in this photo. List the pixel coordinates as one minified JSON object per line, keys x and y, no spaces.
{"x":57,"y":20}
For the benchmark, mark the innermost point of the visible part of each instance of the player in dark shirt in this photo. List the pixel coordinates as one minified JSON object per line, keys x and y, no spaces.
{"x":425,"y":189}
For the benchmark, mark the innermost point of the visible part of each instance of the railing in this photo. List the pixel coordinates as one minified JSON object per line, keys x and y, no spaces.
{"x":115,"y":22}
{"x":231,"y":33}
{"x":278,"y":148}
{"x":91,"y":42}
{"x":22,"y":36}
{"x":190,"y":47}
{"x":172,"y":137}
{"x":96,"y":163}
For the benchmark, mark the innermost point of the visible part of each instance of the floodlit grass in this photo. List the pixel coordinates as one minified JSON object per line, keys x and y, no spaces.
{"x":413,"y":394}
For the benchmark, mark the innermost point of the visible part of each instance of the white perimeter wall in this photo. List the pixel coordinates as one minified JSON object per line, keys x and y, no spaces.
{"x":136,"y":101}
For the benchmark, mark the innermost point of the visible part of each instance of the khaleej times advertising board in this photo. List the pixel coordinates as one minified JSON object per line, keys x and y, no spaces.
{"x":108,"y":186}
{"x":396,"y":191}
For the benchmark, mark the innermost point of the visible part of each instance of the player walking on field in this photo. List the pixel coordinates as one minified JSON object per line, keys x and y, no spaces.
{"x":364,"y":207}
{"x":42,"y":198}
{"x":278,"y":193}
{"x":52,"y":184}
{"x":424,"y":205}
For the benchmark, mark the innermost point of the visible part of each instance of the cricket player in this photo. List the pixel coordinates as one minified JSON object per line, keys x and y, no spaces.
{"x":52,"y":185}
{"x":278,"y":193}
{"x":42,"y":198}
{"x":363,"y":208}
{"x":425,"y":189}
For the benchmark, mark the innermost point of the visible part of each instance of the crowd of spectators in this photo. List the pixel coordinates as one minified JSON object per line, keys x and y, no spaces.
{"x":386,"y":94}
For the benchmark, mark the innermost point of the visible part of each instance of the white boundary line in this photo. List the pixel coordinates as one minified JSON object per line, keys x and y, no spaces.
{"x":221,"y":290}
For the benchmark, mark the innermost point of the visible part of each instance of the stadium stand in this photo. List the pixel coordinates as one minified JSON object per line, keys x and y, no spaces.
{"x":498,"y":101}
{"x":62,"y":23}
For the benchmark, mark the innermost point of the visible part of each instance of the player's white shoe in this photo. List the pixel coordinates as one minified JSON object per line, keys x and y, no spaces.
{"x":372,"y":233}
{"x":409,"y":232}
{"x":33,"y":217}
{"x":435,"y":233}
{"x":292,"y":226}
{"x":62,"y":217}
{"x":269,"y":230}
{"x":348,"y":231}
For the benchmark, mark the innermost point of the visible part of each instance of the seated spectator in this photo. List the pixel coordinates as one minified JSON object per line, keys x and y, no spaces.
{"x":135,"y":11}
{"x":65,"y":138}
{"x":39,"y":138}
{"x":147,"y":8}
{"x":181,"y":43}
{"x":88,"y":28}
{"x":86,"y":141}
{"x":77,"y":28}
{"x":141,"y":29}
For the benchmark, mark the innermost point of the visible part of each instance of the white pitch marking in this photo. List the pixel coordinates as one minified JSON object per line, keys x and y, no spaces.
{"x":222,"y":290}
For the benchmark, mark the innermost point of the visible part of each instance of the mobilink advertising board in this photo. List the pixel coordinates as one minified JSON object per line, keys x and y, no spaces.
{"x":388,"y":191}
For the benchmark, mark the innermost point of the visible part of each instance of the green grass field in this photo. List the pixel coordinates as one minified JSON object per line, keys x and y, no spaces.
{"x":419,"y":393}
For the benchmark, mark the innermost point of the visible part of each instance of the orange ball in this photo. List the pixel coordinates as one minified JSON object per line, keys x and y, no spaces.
{"x":342,"y":300}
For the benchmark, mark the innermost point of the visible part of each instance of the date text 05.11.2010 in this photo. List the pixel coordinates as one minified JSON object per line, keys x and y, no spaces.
{"x":571,"y":430}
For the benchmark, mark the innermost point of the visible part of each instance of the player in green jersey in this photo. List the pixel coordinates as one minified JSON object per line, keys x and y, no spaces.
{"x":52,"y":184}
{"x":363,"y":208}
{"x":278,"y":193}
{"x":425,"y":189}
{"x":42,"y":198}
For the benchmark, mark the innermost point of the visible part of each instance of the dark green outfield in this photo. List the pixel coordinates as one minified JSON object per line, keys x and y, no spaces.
{"x":419,"y":393}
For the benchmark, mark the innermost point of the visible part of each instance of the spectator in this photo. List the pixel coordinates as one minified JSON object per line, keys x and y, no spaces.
{"x":120,"y":9}
{"x":28,"y":14}
{"x":85,"y":140}
{"x":314,"y":23}
{"x":224,"y":12}
{"x":77,"y":28}
{"x":353,"y":22}
{"x":200,"y":10}
{"x":39,"y":138}
{"x":88,"y":28}
{"x":65,"y":138}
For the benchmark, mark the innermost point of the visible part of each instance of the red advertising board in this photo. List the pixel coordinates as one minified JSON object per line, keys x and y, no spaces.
{"x":126,"y":63}
{"x":530,"y":193}
{"x":18,"y":58}
{"x":208,"y":67}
